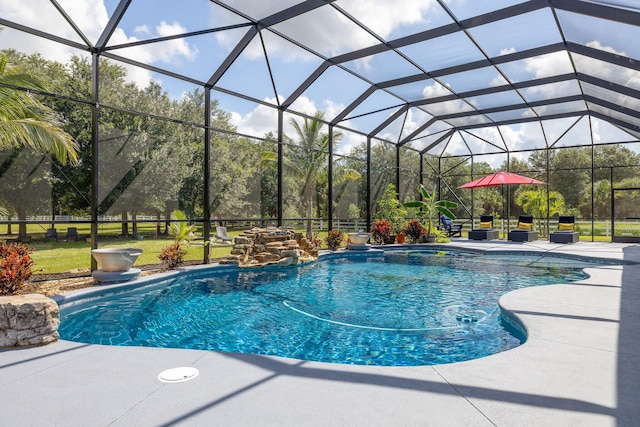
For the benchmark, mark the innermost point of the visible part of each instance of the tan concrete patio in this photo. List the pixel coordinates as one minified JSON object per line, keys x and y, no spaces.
{"x":579,"y":367}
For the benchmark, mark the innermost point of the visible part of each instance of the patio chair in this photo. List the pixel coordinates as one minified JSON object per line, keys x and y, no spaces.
{"x":221,"y":235}
{"x":72,"y":234}
{"x":524,"y":232}
{"x":485,"y":229}
{"x":566,"y":232}
{"x":51,"y":234}
{"x":449,"y":227}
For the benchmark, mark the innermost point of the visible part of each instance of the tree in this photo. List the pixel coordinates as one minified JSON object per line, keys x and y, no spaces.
{"x":306,"y":161}
{"x":534,"y":202}
{"x":389,"y":208}
{"x":233,"y":161}
{"x":569,"y":171}
{"x":429,"y":207}
{"x":27,"y":133}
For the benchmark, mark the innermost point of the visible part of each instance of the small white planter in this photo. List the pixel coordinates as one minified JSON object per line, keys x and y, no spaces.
{"x":359,"y":238}
{"x":113,"y":260}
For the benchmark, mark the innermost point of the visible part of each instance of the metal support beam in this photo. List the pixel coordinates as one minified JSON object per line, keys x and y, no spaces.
{"x":368,"y":183}
{"x":95,"y":136}
{"x":330,"y":179}
{"x":235,"y":53}
{"x":398,"y":169}
{"x":112,"y":24}
{"x":206,"y":226}
{"x":280,"y":159}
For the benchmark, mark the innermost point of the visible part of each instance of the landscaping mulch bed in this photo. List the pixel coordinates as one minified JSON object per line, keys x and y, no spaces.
{"x":56,"y":283}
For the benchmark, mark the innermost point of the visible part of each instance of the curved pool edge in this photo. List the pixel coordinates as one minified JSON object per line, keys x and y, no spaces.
{"x":511,"y":317}
{"x":549,"y":381}
{"x":97,"y":291}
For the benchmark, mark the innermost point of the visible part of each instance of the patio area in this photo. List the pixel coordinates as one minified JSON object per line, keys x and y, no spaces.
{"x":579,"y":366}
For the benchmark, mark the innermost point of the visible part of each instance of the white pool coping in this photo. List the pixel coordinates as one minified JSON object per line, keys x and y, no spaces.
{"x":580,"y":366}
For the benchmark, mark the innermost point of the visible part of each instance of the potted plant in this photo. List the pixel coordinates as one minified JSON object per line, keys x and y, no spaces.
{"x":381,"y":231}
{"x":429,"y":208}
{"x":414,"y":230}
{"x":389,"y":207}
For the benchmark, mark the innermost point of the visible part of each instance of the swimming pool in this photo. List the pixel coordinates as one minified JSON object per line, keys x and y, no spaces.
{"x":381,"y":308}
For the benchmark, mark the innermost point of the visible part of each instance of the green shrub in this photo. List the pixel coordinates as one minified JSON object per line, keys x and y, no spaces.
{"x":15,"y":267}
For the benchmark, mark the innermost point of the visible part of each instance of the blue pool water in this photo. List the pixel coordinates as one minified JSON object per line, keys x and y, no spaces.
{"x":403,"y":308}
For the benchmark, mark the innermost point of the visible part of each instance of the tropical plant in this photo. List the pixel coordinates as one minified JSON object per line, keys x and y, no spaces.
{"x":414,"y":230}
{"x":172,"y":255}
{"x":307,"y":161}
{"x":334,"y":239}
{"x":24,"y":121}
{"x":181,"y":231}
{"x":429,"y":207}
{"x":15,"y":267}
{"x":381,"y":231}
{"x":534,"y":202}
{"x":390,"y":208}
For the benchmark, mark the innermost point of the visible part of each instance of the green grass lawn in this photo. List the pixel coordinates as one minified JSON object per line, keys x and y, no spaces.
{"x":59,"y":257}
{"x":62,"y":256}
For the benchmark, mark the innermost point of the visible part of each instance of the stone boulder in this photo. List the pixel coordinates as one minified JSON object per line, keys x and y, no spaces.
{"x":28,"y":320}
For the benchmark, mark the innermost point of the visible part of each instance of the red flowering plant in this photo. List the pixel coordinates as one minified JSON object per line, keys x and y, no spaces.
{"x":173,"y":255}
{"x":334,"y":239}
{"x":381,"y":231}
{"x":15,"y":267}
{"x":414,"y":230}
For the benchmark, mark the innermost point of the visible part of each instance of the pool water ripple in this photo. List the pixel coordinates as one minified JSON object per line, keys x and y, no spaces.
{"x":406,"y":308}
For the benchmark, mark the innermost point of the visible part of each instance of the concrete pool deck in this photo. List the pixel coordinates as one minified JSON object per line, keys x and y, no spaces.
{"x":579,"y":367}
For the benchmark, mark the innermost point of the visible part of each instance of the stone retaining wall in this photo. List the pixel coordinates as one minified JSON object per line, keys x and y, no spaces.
{"x":28,"y":320}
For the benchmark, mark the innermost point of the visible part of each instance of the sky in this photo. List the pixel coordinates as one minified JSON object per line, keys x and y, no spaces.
{"x":330,"y":34}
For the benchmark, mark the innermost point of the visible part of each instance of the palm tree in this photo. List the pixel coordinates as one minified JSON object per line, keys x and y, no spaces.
{"x":307,"y":160}
{"x":429,"y":207}
{"x":534,"y":202}
{"x":24,"y":121}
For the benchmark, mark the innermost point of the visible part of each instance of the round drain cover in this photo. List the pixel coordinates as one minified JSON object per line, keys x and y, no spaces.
{"x":176,"y":375}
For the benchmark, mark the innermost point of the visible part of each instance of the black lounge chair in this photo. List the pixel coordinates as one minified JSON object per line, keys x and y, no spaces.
{"x":524,"y":232}
{"x":449,"y":227}
{"x":566,"y":232}
{"x":485,"y":229}
{"x":51,"y":234}
{"x":72,"y":234}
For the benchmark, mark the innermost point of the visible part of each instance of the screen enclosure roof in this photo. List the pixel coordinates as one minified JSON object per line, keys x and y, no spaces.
{"x":443,"y":77}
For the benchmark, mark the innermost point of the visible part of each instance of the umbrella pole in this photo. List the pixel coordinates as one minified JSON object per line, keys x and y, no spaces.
{"x":502,"y":191}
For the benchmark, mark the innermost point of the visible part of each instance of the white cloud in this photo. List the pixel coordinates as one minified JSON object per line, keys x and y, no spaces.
{"x":142,"y":29}
{"x":549,"y":65}
{"x":508,"y":51}
{"x":327,"y":31}
{"x":597,"y":45}
{"x":384,"y":17}
{"x":434,"y":90}
{"x":91,"y":17}
{"x":264,"y":119}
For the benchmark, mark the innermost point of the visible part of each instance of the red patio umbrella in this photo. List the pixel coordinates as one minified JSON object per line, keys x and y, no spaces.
{"x":501,"y":178}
